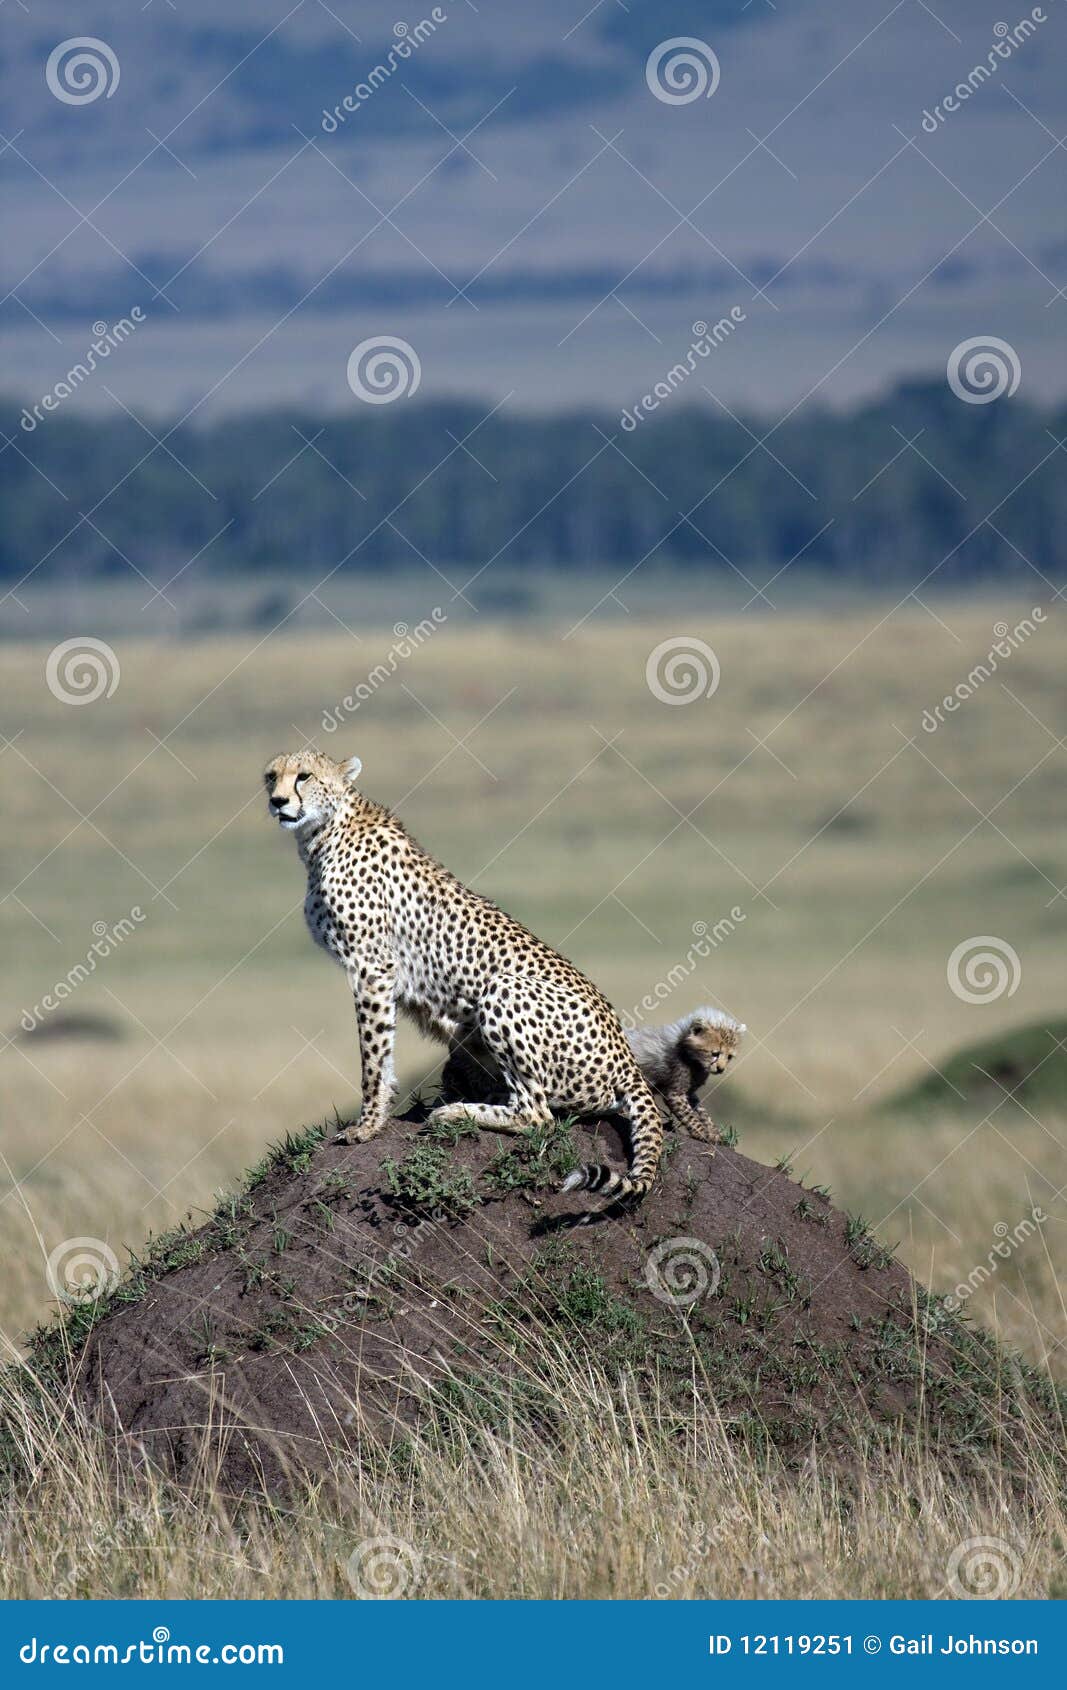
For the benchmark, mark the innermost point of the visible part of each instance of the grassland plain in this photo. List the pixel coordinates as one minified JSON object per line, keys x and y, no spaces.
{"x":835,"y":851}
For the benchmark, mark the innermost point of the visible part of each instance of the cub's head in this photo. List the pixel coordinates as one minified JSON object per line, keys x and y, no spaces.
{"x":305,"y":788}
{"x":713,"y":1039}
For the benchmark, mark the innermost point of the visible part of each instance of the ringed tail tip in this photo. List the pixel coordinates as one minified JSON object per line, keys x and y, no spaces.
{"x":595,"y":1176}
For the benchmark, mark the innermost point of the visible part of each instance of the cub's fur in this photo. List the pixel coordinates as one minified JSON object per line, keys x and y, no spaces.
{"x":677,"y":1060}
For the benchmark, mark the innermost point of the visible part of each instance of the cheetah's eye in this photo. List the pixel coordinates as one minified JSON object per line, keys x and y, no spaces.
{"x":303,"y":775}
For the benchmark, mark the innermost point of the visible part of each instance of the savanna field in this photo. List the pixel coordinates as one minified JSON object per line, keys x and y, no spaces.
{"x":830,"y":854}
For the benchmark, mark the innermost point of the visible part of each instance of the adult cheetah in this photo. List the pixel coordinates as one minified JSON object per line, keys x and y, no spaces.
{"x":411,"y":937}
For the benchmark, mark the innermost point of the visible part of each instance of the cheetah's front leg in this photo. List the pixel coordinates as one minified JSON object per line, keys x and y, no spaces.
{"x":691,"y":1114}
{"x":375,"y":997}
{"x":524,"y":1106}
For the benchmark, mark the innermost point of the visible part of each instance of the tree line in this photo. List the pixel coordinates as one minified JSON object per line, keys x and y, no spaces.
{"x":914,"y":481}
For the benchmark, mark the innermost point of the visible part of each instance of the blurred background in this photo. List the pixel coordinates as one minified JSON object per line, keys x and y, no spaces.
{"x":636,"y":431}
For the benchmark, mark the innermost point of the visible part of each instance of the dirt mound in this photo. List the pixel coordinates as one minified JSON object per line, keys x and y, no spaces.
{"x":349,"y":1291}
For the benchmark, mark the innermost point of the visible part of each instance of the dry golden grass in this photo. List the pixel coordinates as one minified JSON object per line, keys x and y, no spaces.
{"x":621,"y":1503}
{"x":544,"y":770}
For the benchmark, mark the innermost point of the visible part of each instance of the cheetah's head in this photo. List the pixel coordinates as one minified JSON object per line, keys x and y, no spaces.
{"x":305,"y":788}
{"x":713,"y":1038}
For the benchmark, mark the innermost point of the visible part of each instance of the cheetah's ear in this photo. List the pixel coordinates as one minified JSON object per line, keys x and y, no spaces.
{"x":350,"y":769}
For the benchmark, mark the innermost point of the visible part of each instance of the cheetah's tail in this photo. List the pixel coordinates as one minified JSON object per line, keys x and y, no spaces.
{"x":639,"y":1105}
{"x":594,"y":1176}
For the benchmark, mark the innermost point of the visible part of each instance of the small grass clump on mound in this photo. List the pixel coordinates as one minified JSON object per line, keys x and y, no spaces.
{"x":1025,"y":1065}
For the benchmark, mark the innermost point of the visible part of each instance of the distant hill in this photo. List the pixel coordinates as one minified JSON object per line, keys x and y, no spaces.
{"x":1027,"y":1065}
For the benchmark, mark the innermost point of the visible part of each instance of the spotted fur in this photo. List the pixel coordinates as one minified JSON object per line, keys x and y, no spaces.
{"x":413,"y":938}
{"x":676,"y":1060}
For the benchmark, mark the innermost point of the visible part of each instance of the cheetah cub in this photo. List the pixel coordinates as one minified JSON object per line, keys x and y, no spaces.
{"x":678,"y":1059}
{"x":412,"y":938}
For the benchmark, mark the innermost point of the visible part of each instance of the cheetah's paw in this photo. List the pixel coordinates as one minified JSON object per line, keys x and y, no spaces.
{"x":356,"y":1133}
{"x":446,"y":1114}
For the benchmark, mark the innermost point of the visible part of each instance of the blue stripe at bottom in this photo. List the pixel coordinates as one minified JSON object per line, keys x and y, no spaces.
{"x":547,"y":1645}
